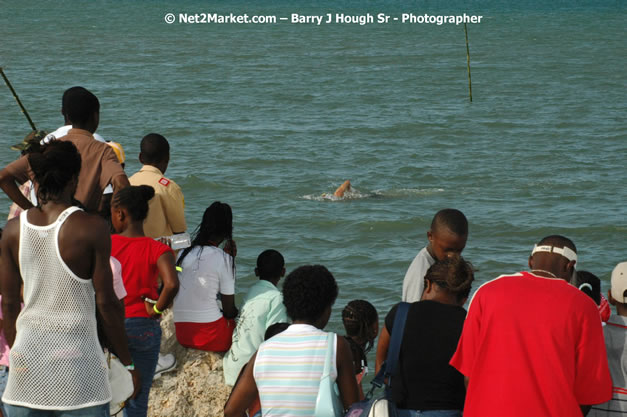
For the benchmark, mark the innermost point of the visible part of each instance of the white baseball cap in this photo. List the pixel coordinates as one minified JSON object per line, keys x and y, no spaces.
{"x":619,"y":282}
{"x":566,"y":252}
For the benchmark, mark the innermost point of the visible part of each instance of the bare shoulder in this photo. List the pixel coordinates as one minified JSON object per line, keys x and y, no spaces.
{"x":11,"y":231}
{"x":342,"y":346}
{"x":89,"y":227}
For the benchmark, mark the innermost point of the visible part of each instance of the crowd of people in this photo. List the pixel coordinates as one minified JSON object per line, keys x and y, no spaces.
{"x":87,"y":266}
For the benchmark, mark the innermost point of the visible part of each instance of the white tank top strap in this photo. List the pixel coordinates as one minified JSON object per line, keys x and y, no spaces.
{"x":66,"y":213}
{"x":60,"y":219}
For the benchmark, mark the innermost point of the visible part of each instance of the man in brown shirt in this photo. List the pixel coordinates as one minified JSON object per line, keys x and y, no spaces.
{"x":99,"y":165}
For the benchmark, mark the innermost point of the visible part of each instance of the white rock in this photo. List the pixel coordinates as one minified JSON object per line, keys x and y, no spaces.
{"x":195,"y":388}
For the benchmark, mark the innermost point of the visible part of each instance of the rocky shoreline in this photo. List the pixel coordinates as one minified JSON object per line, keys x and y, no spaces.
{"x":195,"y":388}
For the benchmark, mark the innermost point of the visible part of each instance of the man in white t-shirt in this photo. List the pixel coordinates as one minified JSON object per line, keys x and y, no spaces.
{"x":62,"y":131}
{"x":447,"y":237}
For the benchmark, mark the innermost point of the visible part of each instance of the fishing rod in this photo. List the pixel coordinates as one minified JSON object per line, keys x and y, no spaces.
{"x":468,"y":62}
{"x":6,"y":80}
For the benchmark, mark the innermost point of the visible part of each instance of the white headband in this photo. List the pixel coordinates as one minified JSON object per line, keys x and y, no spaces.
{"x":567,"y":253}
{"x":585,"y":285}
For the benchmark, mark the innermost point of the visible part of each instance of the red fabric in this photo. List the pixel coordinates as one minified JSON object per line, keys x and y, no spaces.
{"x":255,"y":407}
{"x":532,"y":346}
{"x":605,"y":310}
{"x":213,"y":337}
{"x":138,"y":256}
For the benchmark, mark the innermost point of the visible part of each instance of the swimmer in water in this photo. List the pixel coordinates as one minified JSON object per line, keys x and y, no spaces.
{"x":346,"y":186}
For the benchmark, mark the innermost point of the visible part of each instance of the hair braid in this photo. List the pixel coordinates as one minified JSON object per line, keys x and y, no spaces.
{"x":217,"y":220}
{"x":358,"y":317}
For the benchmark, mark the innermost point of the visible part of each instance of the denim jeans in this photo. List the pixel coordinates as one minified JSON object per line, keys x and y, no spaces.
{"x":4,"y":377}
{"x":96,"y":411}
{"x":429,"y":413}
{"x":144,"y":340}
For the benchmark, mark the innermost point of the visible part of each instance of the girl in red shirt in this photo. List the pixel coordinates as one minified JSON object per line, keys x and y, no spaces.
{"x":143,"y":259}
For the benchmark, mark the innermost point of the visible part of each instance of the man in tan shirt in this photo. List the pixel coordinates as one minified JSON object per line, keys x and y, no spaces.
{"x":166,"y":214}
{"x":99,"y":164}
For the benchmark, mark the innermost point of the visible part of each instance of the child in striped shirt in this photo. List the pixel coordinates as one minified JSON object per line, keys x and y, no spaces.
{"x":286,"y":369}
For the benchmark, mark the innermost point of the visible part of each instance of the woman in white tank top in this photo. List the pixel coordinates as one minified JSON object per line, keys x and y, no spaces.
{"x":62,"y":257}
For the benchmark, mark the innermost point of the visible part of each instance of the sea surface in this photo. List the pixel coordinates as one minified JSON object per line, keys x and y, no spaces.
{"x":269,"y":117}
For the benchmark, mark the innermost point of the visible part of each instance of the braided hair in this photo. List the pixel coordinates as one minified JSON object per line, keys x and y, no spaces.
{"x":54,"y":166}
{"x":358,"y":317}
{"x":216,"y":221}
{"x":135,"y":200}
{"x":452,"y":274}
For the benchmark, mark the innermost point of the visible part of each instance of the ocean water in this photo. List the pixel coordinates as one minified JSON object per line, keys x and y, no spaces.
{"x":269,"y":117}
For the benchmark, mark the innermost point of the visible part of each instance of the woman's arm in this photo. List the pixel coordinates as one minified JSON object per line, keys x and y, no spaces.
{"x":244,"y":392}
{"x":382,"y":348}
{"x":357,"y":369}
{"x":10,"y":279}
{"x":228,"y":306}
{"x":346,"y":381}
{"x":165,"y":265}
{"x":227,"y":285}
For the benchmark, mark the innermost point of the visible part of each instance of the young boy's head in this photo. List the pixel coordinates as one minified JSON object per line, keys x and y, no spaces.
{"x":270,"y":266}
{"x":448,"y":234}
{"x":618,"y":292}
{"x":154,"y":150}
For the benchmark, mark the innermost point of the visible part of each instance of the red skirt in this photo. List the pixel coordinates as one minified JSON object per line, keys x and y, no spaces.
{"x":213,"y":337}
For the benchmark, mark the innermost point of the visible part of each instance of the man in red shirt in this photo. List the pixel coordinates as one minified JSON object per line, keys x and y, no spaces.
{"x":532,"y":344}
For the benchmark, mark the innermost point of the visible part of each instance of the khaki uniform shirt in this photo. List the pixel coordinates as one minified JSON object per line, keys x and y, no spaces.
{"x":166,"y":214}
{"x":99,"y":165}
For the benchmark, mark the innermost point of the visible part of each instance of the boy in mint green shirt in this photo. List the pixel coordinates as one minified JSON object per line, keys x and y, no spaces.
{"x":263,"y":306}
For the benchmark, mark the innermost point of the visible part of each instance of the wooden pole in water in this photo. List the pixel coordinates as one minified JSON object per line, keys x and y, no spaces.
{"x":468,"y":63}
{"x":6,"y":80}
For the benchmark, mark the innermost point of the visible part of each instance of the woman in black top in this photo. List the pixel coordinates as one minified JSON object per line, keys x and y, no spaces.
{"x":425,"y":381}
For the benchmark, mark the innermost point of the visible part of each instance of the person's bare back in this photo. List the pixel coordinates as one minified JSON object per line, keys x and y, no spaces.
{"x":84,"y":245}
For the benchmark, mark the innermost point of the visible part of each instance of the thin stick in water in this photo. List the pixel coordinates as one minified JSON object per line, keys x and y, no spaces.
{"x":468,"y":63}
{"x":6,"y":80}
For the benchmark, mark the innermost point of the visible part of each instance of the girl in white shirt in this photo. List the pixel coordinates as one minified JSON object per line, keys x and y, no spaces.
{"x":204,"y":309}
